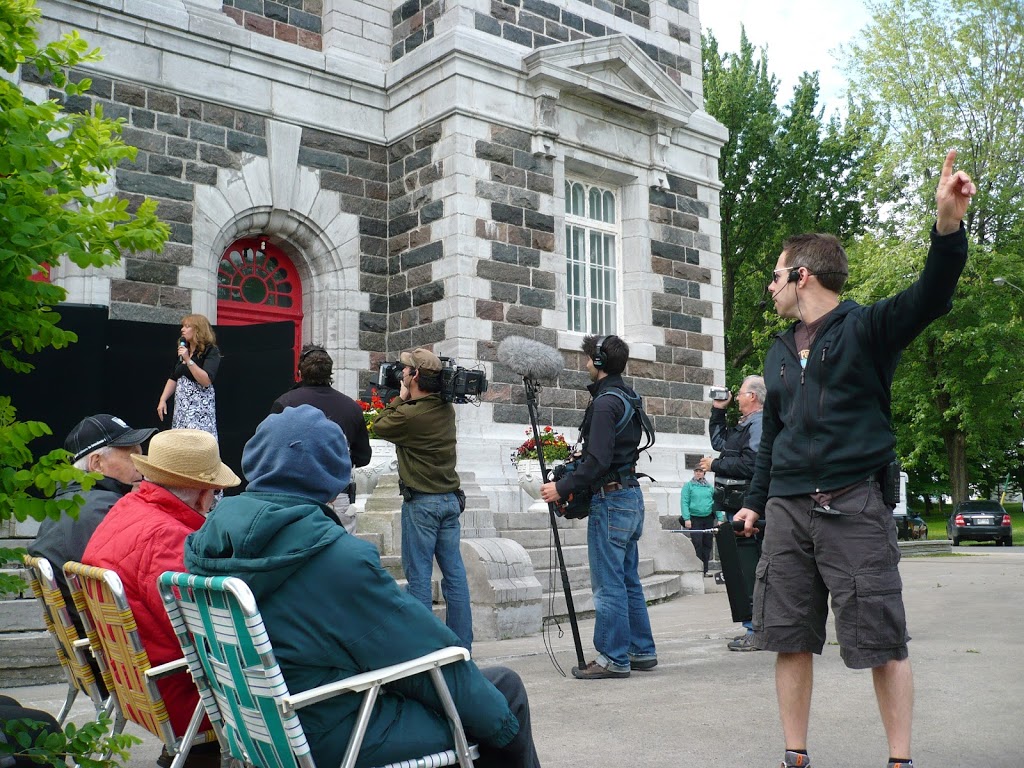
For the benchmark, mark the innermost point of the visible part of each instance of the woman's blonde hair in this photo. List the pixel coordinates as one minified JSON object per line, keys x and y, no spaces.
{"x":205,"y":337}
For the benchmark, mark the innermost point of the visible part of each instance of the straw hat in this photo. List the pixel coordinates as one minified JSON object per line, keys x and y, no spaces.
{"x":185,"y":458}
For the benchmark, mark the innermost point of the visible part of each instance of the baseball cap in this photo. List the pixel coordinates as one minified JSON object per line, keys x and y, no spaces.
{"x":421,"y":359}
{"x":101,"y":430}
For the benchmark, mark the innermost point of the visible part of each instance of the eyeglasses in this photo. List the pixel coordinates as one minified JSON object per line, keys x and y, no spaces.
{"x":778,"y":273}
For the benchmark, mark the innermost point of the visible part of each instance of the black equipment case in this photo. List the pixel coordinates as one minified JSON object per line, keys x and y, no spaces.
{"x":738,"y":556}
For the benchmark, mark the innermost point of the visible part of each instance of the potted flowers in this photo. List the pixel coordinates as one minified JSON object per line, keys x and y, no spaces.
{"x":551,"y":443}
{"x":525,"y":458}
{"x":370,"y":410}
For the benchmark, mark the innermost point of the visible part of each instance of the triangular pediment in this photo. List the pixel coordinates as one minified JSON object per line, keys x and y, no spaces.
{"x":610,"y":68}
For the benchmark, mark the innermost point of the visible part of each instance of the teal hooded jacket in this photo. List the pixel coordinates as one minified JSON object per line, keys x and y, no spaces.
{"x":332,"y":611}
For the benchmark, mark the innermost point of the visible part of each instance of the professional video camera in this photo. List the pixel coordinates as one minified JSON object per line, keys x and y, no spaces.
{"x":458,"y":385}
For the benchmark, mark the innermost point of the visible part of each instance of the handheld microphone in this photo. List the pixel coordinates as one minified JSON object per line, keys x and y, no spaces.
{"x":181,"y":345}
{"x":531,"y":359}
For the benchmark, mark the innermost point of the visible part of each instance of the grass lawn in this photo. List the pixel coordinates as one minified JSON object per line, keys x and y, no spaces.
{"x":937,"y":522}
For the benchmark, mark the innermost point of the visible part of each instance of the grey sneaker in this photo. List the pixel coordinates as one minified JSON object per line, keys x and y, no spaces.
{"x":795,"y":760}
{"x":746,"y":643}
{"x":897,"y":764}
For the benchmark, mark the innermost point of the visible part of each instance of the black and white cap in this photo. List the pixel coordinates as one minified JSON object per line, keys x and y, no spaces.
{"x":101,"y":430}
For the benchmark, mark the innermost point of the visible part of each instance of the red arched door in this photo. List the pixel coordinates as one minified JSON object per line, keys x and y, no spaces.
{"x":257,"y":283}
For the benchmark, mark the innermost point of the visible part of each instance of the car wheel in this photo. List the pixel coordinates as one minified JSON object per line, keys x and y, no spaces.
{"x":1008,"y":541}
{"x":956,"y":541}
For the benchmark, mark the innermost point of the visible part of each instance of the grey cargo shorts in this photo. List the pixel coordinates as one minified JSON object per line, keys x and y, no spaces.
{"x":851,"y":555}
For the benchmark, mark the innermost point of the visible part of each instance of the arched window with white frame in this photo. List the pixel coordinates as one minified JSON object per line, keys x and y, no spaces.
{"x":592,"y":233}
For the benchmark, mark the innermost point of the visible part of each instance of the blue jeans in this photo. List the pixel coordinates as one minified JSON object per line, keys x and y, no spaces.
{"x":430,"y":528}
{"x":622,"y":629}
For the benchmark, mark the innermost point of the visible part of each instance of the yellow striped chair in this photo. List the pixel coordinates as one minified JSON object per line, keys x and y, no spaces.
{"x":72,"y":651}
{"x":241,"y":685}
{"x":110,"y":625}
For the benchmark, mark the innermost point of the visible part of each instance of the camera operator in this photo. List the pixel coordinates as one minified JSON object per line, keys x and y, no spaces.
{"x":422,"y":427}
{"x":734,"y":466}
{"x":622,"y":629}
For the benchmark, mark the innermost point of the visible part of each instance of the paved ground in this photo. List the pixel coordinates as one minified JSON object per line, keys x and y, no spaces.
{"x":704,"y":705}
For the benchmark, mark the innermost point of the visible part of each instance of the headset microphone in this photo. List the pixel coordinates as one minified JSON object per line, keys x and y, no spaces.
{"x":794,"y":276}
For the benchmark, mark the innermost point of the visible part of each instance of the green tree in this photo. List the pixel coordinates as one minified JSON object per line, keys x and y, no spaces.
{"x":935,"y":75}
{"x":783,"y":171}
{"x":51,"y":163}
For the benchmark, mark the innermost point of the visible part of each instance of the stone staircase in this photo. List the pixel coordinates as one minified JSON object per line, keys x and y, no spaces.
{"x":531,"y":529}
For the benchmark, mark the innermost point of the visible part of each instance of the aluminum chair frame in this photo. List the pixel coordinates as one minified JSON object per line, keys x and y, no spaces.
{"x":228,"y":650}
{"x":72,"y":651}
{"x":103,"y":606}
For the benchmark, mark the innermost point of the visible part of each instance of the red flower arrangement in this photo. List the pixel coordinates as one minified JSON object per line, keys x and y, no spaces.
{"x":370,"y":411}
{"x":552,"y":443}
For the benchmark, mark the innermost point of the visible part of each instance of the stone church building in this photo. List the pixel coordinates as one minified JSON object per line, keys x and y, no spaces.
{"x":388,"y":174}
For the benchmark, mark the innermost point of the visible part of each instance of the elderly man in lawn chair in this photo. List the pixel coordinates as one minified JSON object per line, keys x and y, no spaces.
{"x":332,"y":611}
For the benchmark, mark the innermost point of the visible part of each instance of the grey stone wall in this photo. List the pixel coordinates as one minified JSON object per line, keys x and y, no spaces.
{"x":412,"y":25}
{"x":181,"y":142}
{"x":412,"y":289}
{"x":535,"y":23}
{"x":293,"y":21}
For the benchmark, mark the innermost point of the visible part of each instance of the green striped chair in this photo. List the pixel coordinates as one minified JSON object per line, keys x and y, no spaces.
{"x":243,"y":690}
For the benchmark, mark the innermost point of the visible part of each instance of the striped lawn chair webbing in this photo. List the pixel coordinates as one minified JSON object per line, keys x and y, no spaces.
{"x":228,"y":650}
{"x":437,"y":760}
{"x":110,"y":624}
{"x":62,"y":631}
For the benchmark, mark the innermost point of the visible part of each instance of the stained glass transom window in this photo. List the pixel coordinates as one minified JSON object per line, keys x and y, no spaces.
{"x":255,"y":273}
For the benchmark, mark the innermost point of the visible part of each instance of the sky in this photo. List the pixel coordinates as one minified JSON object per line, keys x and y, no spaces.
{"x":801,"y":36}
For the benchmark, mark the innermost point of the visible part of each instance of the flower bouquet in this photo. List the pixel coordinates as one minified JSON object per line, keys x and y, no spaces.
{"x":552,"y":443}
{"x":370,"y":411}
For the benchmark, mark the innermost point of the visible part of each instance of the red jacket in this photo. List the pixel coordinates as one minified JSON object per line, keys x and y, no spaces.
{"x":142,"y":536}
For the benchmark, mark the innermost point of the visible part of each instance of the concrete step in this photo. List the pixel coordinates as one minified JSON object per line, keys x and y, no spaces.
{"x":21,"y":615}
{"x":512,"y":521}
{"x":542,"y":538}
{"x":374,"y":538}
{"x":925,"y":547}
{"x":579,"y":575}
{"x":548,"y":557}
{"x":657,"y":587}
{"x":28,"y":658}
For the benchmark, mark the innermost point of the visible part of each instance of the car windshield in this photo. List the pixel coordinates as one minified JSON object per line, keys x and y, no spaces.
{"x":992,"y":507}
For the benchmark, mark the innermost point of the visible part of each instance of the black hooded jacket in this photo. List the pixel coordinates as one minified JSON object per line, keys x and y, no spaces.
{"x":604,"y":451}
{"x":829,"y":425}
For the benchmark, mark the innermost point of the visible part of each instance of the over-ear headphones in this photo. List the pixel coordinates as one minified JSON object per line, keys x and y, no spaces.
{"x":794,"y":275}
{"x":310,"y":350}
{"x":599,"y":358}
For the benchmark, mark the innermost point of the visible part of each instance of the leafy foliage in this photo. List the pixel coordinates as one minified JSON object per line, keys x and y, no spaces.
{"x":27,"y":739}
{"x":52,"y":166}
{"x":934,"y":75}
{"x":783,"y":171}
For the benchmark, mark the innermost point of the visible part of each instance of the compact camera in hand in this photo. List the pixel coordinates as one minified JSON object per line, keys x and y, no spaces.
{"x":717,"y":393}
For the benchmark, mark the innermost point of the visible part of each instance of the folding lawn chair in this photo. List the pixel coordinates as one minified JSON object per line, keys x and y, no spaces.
{"x":228,"y":650}
{"x":103,"y":607}
{"x":72,"y":650}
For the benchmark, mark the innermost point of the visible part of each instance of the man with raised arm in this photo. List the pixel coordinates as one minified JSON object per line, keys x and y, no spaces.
{"x":825,"y":457}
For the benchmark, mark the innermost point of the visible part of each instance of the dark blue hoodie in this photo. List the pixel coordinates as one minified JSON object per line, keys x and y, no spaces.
{"x":330,"y":608}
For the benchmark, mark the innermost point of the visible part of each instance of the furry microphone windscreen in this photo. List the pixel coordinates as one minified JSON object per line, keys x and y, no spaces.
{"x":531,"y":359}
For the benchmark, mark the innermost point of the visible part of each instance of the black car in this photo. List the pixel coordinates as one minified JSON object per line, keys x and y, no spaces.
{"x":979,"y":521}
